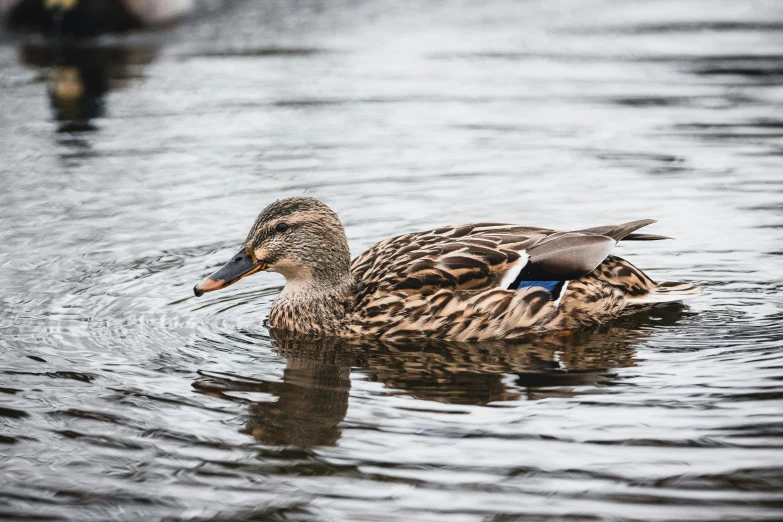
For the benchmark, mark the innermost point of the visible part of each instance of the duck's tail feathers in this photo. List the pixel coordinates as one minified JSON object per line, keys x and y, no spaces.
{"x":645,"y":237}
{"x":666,"y":292}
{"x":625,"y":231}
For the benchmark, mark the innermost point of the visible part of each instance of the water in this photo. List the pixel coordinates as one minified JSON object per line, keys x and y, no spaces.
{"x":133,"y":169}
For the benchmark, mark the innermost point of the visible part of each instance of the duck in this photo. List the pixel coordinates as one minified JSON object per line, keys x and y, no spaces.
{"x":88,"y":18}
{"x":474,"y":282}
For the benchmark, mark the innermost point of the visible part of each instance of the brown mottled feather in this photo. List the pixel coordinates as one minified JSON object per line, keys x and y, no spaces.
{"x":451,"y":290}
{"x":467,"y":258}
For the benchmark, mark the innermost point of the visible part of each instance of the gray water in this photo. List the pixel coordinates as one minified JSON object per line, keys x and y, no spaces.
{"x":134,"y":166}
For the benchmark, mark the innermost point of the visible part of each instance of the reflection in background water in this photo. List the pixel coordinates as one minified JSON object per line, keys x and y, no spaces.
{"x":79,"y":76}
{"x":132,"y":165}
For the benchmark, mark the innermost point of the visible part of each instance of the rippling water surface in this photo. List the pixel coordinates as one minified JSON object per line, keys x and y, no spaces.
{"x":133,"y":167}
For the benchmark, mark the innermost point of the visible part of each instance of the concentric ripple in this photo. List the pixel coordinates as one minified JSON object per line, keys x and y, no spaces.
{"x":124,"y":397}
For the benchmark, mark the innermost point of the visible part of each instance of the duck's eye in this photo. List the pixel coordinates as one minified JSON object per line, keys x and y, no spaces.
{"x":281,"y":227}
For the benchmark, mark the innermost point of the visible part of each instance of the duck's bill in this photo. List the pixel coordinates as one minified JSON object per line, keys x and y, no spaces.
{"x":241,"y":265}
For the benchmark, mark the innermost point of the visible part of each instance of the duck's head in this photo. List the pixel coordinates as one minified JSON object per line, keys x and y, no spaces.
{"x":300,"y":238}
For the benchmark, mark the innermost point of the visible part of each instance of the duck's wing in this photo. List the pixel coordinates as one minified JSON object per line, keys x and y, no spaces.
{"x":467,"y":257}
{"x":473,"y":258}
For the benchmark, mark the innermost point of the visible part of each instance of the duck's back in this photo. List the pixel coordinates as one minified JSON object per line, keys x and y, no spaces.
{"x":494,"y":280}
{"x":466,"y":258}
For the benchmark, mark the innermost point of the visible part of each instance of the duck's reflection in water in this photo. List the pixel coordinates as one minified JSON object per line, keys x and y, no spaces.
{"x":78,"y":77}
{"x":313,"y":395}
{"x":312,"y":398}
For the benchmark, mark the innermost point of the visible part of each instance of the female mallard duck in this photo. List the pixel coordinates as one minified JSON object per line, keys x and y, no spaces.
{"x":469,"y":282}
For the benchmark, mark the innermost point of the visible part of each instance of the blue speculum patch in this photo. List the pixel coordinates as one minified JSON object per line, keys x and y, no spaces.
{"x":549,"y":286}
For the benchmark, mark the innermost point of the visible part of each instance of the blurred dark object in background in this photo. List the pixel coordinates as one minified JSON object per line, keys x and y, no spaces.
{"x":87,"y":18}
{"x":79,"y":76}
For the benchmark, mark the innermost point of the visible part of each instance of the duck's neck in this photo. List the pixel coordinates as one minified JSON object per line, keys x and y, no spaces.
{"x":313,"y":306}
